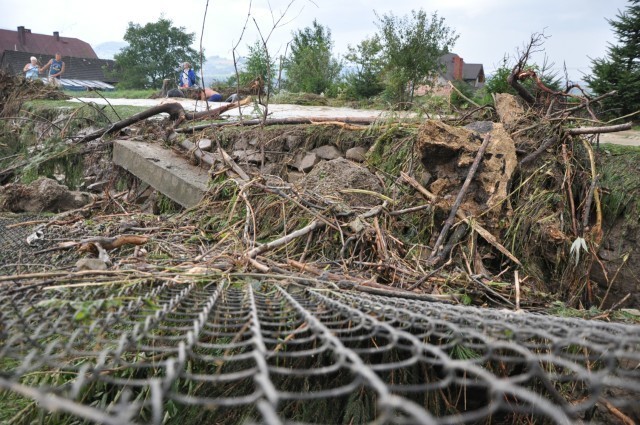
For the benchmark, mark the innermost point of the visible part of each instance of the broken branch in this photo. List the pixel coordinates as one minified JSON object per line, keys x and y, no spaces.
{"x":599,"y":130}
{"x":465,"y":186}
{"x":253,"y":253}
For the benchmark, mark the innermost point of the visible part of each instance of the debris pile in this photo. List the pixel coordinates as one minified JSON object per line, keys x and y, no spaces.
{"x":326,"y":216}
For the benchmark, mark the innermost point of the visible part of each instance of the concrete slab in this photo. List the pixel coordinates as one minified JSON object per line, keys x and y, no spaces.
{"x":162,"y":169}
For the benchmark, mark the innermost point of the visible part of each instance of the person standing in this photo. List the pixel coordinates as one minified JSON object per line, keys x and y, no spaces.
{"x":31,"y":69}
{"x":187,"y":76}
{"x":56,"y":69}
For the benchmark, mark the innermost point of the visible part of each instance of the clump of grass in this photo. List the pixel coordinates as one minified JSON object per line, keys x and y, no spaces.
{"x":621,"y":184}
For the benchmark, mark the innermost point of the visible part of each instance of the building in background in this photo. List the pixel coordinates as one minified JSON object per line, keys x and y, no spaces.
{"x":83,"y":69}
{"x":454,"y":69}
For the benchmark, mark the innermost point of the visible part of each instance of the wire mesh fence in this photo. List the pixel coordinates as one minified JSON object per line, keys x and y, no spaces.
{"x":27,"y":246}
{"x":239,"y":350}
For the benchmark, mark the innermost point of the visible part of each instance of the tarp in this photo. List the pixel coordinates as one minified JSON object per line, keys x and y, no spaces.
{"x":84,"y":85}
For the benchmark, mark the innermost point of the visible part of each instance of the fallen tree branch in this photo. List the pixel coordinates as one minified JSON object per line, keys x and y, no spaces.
{"x":463,"y":96}
{"x":112,"y":243}
{"x":599,"y":130}
{"x":174,"y":109}
{"x":253,"y":253}
{"x":585,"y":104}
{"x":486,"y":235}
{"x":369,"y":286}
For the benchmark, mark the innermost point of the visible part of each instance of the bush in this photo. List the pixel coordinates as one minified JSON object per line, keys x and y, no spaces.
{"x":467,"y":91}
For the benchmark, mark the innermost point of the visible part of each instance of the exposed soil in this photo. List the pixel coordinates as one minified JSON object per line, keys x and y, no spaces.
{"x":42,"y":195}
{"x":628,"y":138}
{"x":525,"y":212}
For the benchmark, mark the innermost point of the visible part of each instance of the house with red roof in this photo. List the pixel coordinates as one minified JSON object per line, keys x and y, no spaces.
{"x":83,"y":68}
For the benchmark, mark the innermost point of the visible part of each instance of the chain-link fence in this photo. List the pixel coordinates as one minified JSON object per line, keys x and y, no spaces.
{"x":241,"y":350}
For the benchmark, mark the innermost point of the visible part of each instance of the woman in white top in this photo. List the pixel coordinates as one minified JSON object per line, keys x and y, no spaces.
{"x":31,"y":69}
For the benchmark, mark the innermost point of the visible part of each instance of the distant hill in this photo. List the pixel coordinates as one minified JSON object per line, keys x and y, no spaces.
{"x":218,"y":68}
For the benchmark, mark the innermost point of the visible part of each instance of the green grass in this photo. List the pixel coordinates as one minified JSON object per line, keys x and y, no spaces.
{"x":117,"y":94}
{"x":113,"y":113}
{"x":620,"y":182}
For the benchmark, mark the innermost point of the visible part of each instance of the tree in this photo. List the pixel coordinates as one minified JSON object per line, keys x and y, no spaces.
{"x":366,"y":80}
{"x":620,"y":70}
{"x":154,"y":53}
{"x":311,"y":67}
{"x":412,"y":47}
{"x":498,"y":83}
{"x":258,"y":64}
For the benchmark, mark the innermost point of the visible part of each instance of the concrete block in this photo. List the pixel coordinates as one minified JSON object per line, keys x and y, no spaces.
{"x":162,"y":169}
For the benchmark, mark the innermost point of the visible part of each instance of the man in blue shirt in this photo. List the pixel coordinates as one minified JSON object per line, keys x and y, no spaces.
{"x":56,"y":69}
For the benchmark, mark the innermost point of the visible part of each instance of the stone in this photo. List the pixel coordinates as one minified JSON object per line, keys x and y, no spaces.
{"x":249,"y":155}
{"x":425,"y":178}
{"x":357,"y":154}
{"x":308,"y":162}
{"x":42,"y":195}
{"x":205,"y":144}
{"x":335,"y":178}
{"x":327,"y":152}
{"x":481,"y":127}
{"x":91,"y":264}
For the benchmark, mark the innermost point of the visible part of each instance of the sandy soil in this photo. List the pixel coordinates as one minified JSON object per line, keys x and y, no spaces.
{"x":629,"y":138}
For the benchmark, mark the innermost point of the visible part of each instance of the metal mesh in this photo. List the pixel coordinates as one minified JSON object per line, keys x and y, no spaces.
{"x":17,"y":255}
{"x":237,"y":350}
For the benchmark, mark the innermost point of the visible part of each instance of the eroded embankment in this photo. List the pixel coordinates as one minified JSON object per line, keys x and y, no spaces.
{"x":379,"y":195}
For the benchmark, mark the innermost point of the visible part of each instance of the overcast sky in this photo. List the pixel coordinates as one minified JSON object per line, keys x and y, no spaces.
{"x":488,"y":29}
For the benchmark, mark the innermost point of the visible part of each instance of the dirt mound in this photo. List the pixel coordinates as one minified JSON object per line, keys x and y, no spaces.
{"x":336,"y":179}
{"x":447,"y":153}
{"x":42,"y":195}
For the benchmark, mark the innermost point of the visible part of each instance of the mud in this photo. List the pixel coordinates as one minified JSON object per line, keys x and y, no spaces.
{"x":42,"y":195}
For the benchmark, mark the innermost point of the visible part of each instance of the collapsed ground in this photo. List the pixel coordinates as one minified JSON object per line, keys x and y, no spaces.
{"x":379,"y":196}
{"x":545,"y":223}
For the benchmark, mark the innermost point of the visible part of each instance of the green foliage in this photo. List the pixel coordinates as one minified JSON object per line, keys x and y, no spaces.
{"x":153,"y":53}
{"x":412,"y":48}
{"x":497,"y":83}
{"x":465,"y":89}
{"x":311,"y":66}
{"x":620,"y":70}
{"x":366,"y":80}
{"x":619,"y":175}
{"x":259,"y":64}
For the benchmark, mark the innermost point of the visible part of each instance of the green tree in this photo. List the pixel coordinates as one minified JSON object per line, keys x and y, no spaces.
{"x":620,"y":70}
{"x":497,"y":83}
{"x":311,"y":66}
{"x":366,"y":80}
{"x":412,"y":47}
{"x":153,"y":54}
{"x":258,"y":64}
